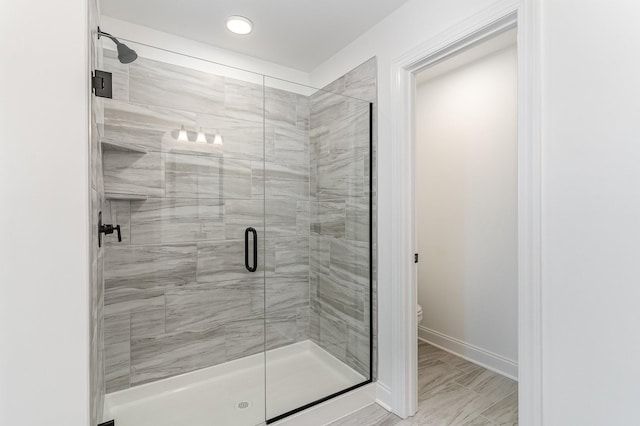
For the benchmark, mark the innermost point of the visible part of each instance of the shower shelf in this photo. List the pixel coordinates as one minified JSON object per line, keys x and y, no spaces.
{"x":125,"y":196}
{"x":108,"y":145}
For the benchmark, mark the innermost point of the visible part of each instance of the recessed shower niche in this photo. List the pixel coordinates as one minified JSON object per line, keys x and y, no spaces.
{"x":241,"y":290}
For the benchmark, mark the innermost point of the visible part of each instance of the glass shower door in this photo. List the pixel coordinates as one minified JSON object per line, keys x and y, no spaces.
{"x":317,"y":236}
{"x":183,"y":160}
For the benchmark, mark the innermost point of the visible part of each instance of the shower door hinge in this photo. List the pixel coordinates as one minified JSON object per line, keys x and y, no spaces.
{"x":101,"y":84}
{"x":415,"y":258}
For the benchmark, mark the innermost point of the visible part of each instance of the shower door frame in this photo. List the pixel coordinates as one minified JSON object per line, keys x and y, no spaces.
{"x":371,"y":321}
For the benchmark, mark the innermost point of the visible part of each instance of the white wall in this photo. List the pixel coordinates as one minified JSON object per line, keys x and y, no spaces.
{"x":44,"y":315}
{"x":466,"y":204}
{"x":591,"y":211}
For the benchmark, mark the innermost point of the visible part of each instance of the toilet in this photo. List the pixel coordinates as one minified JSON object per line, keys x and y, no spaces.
{"x":419,"y":310}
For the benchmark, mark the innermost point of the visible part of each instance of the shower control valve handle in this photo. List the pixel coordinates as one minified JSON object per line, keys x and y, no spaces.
{"x":107,"y":229}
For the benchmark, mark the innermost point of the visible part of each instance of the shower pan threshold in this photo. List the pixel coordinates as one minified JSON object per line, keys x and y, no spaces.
{"x":233,"y":393}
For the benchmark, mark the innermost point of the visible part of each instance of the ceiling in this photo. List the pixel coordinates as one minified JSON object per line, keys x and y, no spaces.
{"x":299,"y":34}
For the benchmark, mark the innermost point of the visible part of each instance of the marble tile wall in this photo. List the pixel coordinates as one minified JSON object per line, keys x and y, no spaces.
{"x":339,"y":240}
{"x":177,"y":295}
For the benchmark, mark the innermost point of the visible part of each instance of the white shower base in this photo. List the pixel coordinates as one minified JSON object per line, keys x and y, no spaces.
{"x":296,"y":375}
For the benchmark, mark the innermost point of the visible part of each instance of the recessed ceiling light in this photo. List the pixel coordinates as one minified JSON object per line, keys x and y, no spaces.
{"x":239,"y":25}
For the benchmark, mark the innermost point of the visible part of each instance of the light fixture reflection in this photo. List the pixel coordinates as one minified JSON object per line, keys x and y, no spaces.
{"x":182,"y":136}
{"x":201,"y":137}
{"x":217,"y":139}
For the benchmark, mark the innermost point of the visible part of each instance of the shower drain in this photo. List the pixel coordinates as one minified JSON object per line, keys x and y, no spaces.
{"x":243,"y":405}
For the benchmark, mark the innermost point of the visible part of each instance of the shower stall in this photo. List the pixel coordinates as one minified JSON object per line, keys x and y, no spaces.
{"x":239,"y":288}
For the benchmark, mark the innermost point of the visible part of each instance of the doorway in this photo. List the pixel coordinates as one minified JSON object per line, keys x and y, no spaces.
{"x":403,"y":301}
{"x":466,"y":223}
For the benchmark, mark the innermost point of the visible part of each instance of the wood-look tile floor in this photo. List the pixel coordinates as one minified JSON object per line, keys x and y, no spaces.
{"x":451,"y":391}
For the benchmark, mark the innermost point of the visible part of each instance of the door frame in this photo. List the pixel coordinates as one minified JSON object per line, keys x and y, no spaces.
{"x":498,"y":17}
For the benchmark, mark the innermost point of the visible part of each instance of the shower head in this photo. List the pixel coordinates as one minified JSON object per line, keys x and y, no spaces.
{"x":126,"y":54}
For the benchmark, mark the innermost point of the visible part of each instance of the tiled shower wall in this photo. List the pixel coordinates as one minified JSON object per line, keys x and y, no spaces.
{"x":96,"y":254}
{"x":340,"y":165}
{"x":177,"y":294}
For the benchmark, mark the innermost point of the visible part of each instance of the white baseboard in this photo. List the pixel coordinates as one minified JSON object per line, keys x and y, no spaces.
{"x":492,"y":361}
{"x":383,"y":396}
{"x":334,"y":409}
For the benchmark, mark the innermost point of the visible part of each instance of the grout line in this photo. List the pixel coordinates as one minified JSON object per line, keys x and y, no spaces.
{"x":129,"y":342}
{"x":487,"y":419}
{"x":164,"y":292}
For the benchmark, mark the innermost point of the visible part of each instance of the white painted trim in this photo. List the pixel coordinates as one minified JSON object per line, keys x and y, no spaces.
{"x":529,"y":217}
{"x":490,"y":360}
{"x":333,"y":409}
{"x":383,"y":396}
{"x":404,"y":296}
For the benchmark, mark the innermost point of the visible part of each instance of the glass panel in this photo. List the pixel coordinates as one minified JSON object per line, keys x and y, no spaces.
{"x":317,"y":220}
{"x":183,"y":161}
